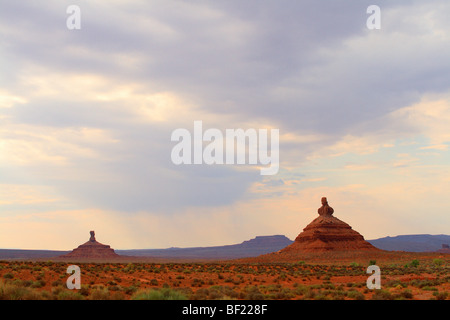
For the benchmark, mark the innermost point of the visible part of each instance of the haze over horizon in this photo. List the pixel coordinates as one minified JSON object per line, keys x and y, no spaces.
{"x":86,"y":118}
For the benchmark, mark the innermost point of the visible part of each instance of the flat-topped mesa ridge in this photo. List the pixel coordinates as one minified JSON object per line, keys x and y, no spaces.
{"x":92,"y":249}
{"x":328,"y":233}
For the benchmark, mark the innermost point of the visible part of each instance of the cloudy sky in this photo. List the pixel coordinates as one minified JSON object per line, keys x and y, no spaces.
{"x":86,"y":118}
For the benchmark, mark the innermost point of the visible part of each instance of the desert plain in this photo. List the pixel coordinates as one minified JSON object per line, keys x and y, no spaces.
{"x":404,"y":275}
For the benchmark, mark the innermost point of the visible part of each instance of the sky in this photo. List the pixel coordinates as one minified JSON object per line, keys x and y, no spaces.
{"x":86,"y":117}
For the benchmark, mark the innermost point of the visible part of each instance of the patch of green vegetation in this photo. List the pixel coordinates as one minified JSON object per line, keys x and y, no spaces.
{"x":438,"y":262}
{"x":8,"y":276}
{"x":9,"y":291}
{"x":159,"y":294}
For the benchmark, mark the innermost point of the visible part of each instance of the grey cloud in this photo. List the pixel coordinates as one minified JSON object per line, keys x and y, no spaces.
{"x":287,"y":61}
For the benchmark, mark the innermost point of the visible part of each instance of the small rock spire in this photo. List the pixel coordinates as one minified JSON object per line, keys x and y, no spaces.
{"x":325,"y":209}
{"x":92,"y":238}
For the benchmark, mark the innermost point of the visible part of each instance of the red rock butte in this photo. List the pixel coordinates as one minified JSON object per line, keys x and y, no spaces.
{"x":328,"y":233}
{"x":92,"y":249}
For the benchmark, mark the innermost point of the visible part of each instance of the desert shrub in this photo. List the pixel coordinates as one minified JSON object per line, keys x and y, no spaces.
{"x":197,"y":282}
{"x":415,"y":263}
{"x":426,"y":283}
{"x":118,"y":295}
{"x":300,"y":289}
{"x":8,"y":276}
{"x":57,"y":283}
{"x":395,"y":283}
{"x":428,"y":288}
{"x":69,"y":295}
{"x":161,"y":294}
{"x":130,"y":290}
{"x":440,"y":295}
{"x":372,"y":262}
{"x":356,"y":295}
{"x":229,"y":279}
{"x":23,"y":283}
{"x":382,"y":295}
{"x":200,"y":294}
{"x":309,"y":294}
{"x":114,"y":288}
{"x":438,"y":262}
{"x":283,"y":294}
{"x":328,"y":286}
{"x":100,"y":294}
{"x":13,"y":292}
{"x":56,"y":290}
{"x":251,"y":293}
{"x":337,"y":294}
{"x":111,"y":283}
{"x":40,"y":276}
{"x":320,"y":296}
{"x":154,"y":282}
{"x":129,"y":267}
{"x":38,"y":284}
{"x":229,"y":292}
{"x":215,"y":294}
{"x":176,"y":283}
{"x":406,"y":294}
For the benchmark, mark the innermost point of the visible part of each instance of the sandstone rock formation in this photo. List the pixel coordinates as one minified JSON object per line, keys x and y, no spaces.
{"x":92,"y":250}
{"x":328,"y":233}
{"x":445,"y":248}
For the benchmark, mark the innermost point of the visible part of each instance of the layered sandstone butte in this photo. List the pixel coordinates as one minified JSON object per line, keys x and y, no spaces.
{"x":92,"y":250}
{"x":328,"y":233}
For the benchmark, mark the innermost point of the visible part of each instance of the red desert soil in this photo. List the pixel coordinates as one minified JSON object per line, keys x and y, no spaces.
{"x":310,"y":279}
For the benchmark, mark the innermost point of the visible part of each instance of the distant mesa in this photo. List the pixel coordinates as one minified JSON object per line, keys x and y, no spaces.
{"x":412,"y":242}
{"x":92,"y":249}
{"x":250,"y":248}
